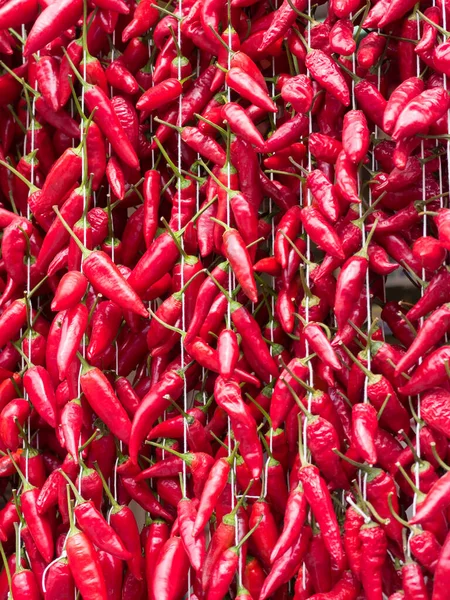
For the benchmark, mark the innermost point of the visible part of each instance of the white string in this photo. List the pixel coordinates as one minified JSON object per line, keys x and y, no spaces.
{"x":307,"y":269}
{"x":183,"y":303}
{"x":424,"y":232}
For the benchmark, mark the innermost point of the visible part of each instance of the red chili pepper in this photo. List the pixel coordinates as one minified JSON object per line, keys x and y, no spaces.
{"x":171,"y":571}
{"x":248,"y":88}
{"x":319,"y":499}
{"x":51,"y":22}
{"x":321,"y":232}
{"x":324,"y":70}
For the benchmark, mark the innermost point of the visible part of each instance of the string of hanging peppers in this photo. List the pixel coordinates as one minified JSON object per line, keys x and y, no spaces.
{"x":224,"y":299}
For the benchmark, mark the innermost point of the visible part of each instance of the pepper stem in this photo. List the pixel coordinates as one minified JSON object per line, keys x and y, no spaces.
{"x":23,"y":179}
{"x":166,"y":325}
{"x":108,"y":493}
{"x":88,"y":441}
{"x":24,"y":356}
{"x":247,"y":535}
{"x":77,"y":495}
{"x":352,"y":462}
{"x":305,"y":43}
{"x":231,"y":193}
{"x":396,"y":516}
{"x":355,"y":78}
{"x":184,"y":457}
{"x":415,"y":416}
{"x":266,"y":445}
{"x":383,"y":406}
{"x":357,"y":362}
{"x":221,"y":288}
{"x":261,"y":409}
{"x":241,"y":500}
{"x":85,"y":252}
{"x":168,"y":159}
{"x":304,"y":385}
{"x":74,"y":69}
{"x":26,"y":485}
{"x":214,"y":125}
{"x":441,"y":463}
{"x":363,"y":251}
{"x":413,"y":486}
{"x":409,"y":444}
{"x":375,"y":514}
{"x":230,"y":459}
{"x":6,"y":565}
{"x":297,"y":399}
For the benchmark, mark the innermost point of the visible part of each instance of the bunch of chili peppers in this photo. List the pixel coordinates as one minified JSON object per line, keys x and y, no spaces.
{"x":203,"y":206}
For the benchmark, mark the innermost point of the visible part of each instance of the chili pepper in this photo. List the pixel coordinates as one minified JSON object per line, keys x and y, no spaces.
{"x":144,"y":17}
{"x":38,"y":525}
{"x":287,"y":565}
{"x":85,"y":566}
{"x":391,"y":313}
{"x":429,"y":33}
{"x":105,"y":323}
{"x":241,"y":124}
{"x":374,"y":547}
{"x":249,"y":89}
{"x":70,"y":291}
{"x":14,"y":13}
{"x":364,"y":428}
{"x":298,"y":92}
{"x":228,"y":397}
{"x":399,"y":99}
{"x":146,"y":499}
{"x":59,"y":581}
{"x":107,"y":279}
{"x":324,"y":147}
{"x":50,"y":23}
{"x":346,"y":174}
{"x":355,"y":136}
{"x":294,"y":518}
{"x":420,"y":112}
{"x":318,"y":497}
{"x":350,"y":282}
{"x":431,"y":372}
{"x":288,"y":229}
{"x":321,"y":232}
{"x":427,"y":336}
{"x":326,"y":73}
{"x":283,"y":19}
{"x":318,"y":564}
{"x":171,"y":570}
{"x":341,"y":37}
{"x":323,"y":192}
{"x":286,"y":134}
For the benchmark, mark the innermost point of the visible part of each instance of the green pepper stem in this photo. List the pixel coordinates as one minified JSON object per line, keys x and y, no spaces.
{"x":85,"y":252}
{"x":441,"y":463}
{"x":383,"y":406}
{"x":396,"y":516}
{"x":23,"y":179}
{"x":184,"y":457}
{"x":247,"y":535}
{"x":113,"y":501}
{"x":76,"y":493}
{"x":261,"y":409}
{"x":26,"y":485}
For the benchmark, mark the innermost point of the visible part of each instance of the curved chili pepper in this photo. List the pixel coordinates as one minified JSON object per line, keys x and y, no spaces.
{"x":51,"y":22}
{"x":319,"y":499}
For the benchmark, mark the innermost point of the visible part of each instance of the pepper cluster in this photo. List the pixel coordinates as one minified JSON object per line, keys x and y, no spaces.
{"x":202,"y":205}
